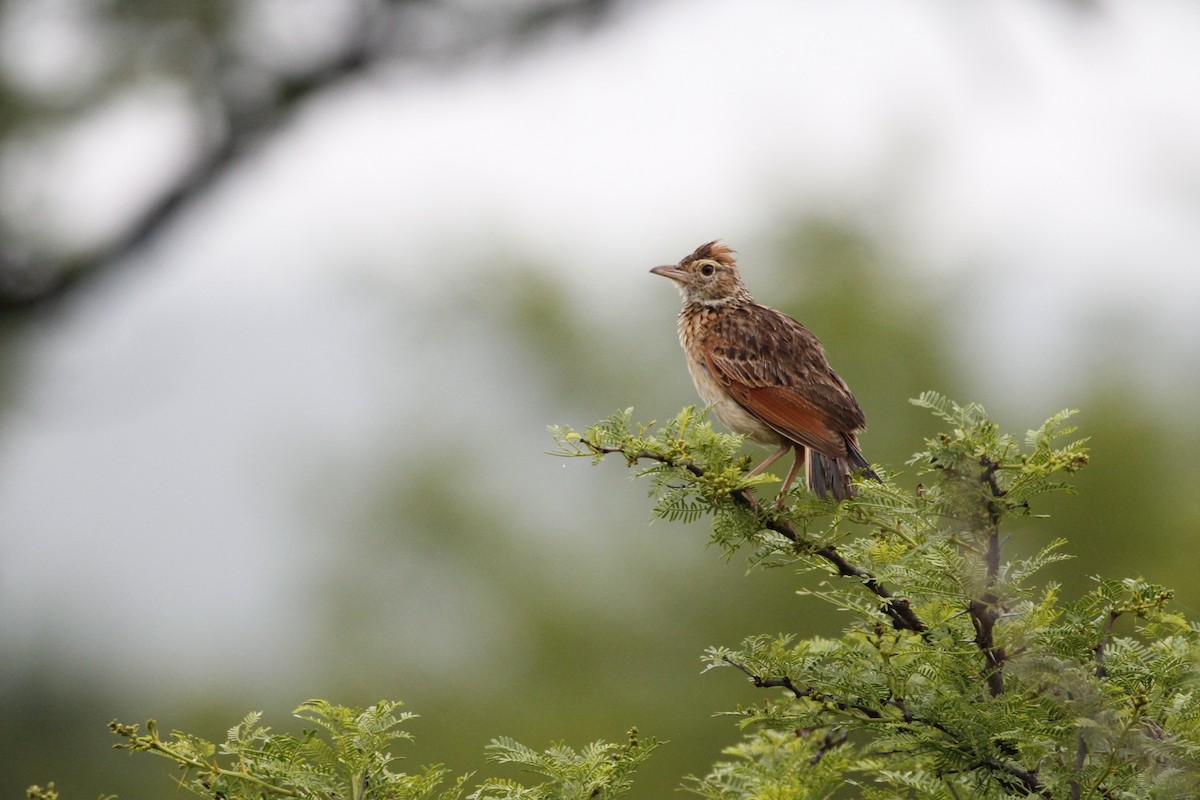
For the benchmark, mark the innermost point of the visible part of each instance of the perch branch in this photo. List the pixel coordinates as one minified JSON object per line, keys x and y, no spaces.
{"x":898,"y":609}
{"x":1013,"y":776}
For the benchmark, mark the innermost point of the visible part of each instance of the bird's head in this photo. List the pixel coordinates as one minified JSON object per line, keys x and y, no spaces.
{"x":708,"y":276}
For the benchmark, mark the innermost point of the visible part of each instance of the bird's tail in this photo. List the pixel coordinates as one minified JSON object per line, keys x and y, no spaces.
{"x":828,"y":476}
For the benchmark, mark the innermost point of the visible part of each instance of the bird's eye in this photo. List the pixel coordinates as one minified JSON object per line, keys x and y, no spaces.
{"x":707,"y":269}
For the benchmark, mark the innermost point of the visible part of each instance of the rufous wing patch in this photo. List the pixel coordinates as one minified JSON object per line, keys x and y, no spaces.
{"x":791,"y":415}
{"x":782,"y":408}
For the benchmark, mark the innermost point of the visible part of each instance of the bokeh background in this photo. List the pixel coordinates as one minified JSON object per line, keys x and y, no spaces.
{"x":290,"y":290}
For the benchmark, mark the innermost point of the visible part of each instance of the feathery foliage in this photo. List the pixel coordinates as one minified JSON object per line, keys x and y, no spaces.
{"x":599,"y":770}
{"x":347,"y":755}
{"x":956,"y":675}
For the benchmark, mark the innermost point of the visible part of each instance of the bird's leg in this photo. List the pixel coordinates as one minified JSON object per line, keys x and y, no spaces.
{"x":771,"y":459}
{"x":791,"y":476}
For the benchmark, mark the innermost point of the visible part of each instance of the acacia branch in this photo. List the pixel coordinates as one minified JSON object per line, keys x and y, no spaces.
{"x":834,"y":737}
{"x":1081,"y":747}
{"x":786,"y":682}
{"x":1011,"y":775}
{"x":153,"y":743}
{"x":1101,"y":648}
{"x":985,"y":611}
{"x":898,"y":609}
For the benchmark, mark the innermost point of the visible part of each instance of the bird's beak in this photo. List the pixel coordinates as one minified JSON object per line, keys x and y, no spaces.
{"x":671,"y":271}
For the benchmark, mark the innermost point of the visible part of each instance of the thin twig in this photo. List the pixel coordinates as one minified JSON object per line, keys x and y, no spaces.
{"x":1101,"y":647}
{"x":985,"y":610}
{"x":1081,"y":751}
{"x":1011,"y":775}
{"x":1081,"y":748}
{"x":834,"y":737}
{"x":897,"y":608}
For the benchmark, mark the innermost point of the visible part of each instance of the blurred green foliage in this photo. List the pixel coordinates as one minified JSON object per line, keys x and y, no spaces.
{"x":348,"y":753}
{"x":604,"y":627}
{"x":609,"y":617}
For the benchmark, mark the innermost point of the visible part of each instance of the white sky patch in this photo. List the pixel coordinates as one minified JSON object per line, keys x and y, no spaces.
{"x":1043,"y":159}
{"x":78,"y":187}
{"x":1015,"y":133}
{"x":51,"y":47}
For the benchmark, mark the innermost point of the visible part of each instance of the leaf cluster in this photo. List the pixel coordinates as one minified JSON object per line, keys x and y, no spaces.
{"x":599,"y":770}
{"x":958,"y":674}
{"x":347,"y":754}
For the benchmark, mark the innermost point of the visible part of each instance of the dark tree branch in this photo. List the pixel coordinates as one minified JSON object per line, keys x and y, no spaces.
{"x":809,"y":694}
{"x":834,"y":737}
{"x":983,"y":617}
{"x":1081,"y":751}
{"x":29,"y":282}
{"x":985,"y":611}
{"x":1012,"y":776}
{"x":24,"y":285}
{"x":899,"y":610}
{"x":1015,"y":778}
{"x":1102,"y":645}
{"x":1081,"y":748}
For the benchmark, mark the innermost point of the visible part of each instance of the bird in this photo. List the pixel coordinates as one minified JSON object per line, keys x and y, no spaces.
{"x":766,"y":376}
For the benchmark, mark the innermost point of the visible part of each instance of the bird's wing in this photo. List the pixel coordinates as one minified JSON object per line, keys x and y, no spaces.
{"x":775,"y":368}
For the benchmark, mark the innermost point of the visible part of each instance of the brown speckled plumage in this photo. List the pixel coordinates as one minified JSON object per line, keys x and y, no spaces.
{"x":766,"y":373}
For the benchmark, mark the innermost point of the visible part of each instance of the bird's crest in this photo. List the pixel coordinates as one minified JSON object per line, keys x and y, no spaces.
{"x":714,"y":251}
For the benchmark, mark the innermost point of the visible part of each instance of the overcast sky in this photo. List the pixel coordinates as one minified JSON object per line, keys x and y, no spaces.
{"x":1045,"y":156}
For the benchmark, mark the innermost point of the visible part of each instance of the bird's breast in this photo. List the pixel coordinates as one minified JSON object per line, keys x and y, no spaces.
{"x":712,"y":392}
